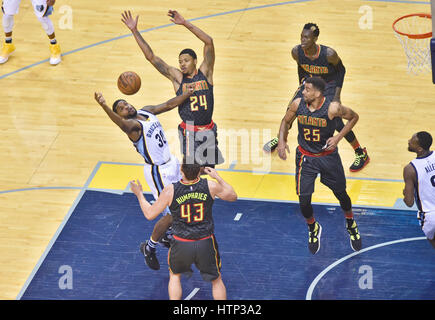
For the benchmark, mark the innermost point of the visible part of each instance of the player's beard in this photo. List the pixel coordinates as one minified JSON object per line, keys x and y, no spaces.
{"x":133,"y":115}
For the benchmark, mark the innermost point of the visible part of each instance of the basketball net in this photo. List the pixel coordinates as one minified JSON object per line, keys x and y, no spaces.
{"x":414,"y":33}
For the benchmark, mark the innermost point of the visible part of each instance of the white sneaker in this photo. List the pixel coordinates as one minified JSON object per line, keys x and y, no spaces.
{"x":7,"y":50}
{"x":55,"y":54}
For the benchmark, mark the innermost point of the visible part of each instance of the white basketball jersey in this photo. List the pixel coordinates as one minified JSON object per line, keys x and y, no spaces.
{"x":152,"y":144}
{"x":425,"y":189}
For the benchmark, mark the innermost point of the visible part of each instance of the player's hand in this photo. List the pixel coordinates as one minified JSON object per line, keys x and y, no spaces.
{"x":136,"y":187}
{"x":211,"y":172}
{"x":283,"y":149}
{"x":50,"y":2}
{"x":190,"y":88}
{"x":129,"y":21}
{"x":100,"y":99}
{"x":176,"y":17}
{"x":332,"y":143}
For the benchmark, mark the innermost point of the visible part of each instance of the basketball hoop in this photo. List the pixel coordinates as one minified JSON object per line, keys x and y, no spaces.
{"x":414,"y":32}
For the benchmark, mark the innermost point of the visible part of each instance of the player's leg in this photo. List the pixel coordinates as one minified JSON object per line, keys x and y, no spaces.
{"x":208,"y":262}
{"x":43,"y":12}
{"x":175,"y":290}
{"x":218,"y":289}
{"x":306,"y":174}
{"x":429,"y":227}
{"x":154,"y":180}
{"x":332,"y":175}
{"x":361,"y":156}
{"x":9,"y":8}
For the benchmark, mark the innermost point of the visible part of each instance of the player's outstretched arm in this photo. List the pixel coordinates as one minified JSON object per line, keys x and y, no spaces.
{"x":152,"y":211}
{"x":172,"y":103}
{"x":410,"y":179}
{"x":130,"y":127}
{"x":221,"y":188}
{"x":169,"y":72}
{"x":207,"y":65}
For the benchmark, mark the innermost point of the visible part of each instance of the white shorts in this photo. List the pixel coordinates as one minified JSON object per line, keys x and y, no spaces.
{"x":158,"y":177}
{"x":10,"y":7}
{"x":428,"y":221}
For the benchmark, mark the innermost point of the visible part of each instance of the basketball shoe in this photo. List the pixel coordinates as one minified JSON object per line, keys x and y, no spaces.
{"x":271,"y":145}
{"x":7,"y":50}
{"x":361,"y":160}
{"x":355,"y":237}
{"x":314,"y":237}
{"x":55,"y":54}
{"x":150,"y":256}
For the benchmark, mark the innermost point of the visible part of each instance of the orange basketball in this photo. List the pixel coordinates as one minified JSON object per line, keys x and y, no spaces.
{"x":129,"y":82}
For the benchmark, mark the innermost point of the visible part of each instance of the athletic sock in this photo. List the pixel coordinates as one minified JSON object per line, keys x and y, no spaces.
{"x":151,"y":245}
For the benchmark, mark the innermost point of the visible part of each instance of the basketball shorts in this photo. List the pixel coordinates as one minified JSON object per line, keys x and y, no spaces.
{"x":200,"y":146}
{"x":159,"y":176}
{"x":427,"y":221}
{"x":329,"y":167}
{"x":11,"y":7}
{"x":204,"y":254}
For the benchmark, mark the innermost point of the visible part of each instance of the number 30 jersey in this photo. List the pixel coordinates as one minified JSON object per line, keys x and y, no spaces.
{"x":152,"y":144}
{"x":425,"y":188}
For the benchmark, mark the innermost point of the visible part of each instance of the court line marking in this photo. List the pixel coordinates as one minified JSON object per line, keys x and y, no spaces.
{"x":238,"y":216}
{"x":58,"y":231}
{"x":190,"y":296}
{"x":336,"y":263}
{"x":151,"y":29}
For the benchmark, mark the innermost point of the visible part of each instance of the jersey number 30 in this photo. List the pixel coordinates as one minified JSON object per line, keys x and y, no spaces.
{"x":186,"y":212}
{"x":161,"y":138}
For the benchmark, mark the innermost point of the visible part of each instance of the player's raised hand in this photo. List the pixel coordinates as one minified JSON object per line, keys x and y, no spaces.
{"x":136,"y":187}
{"x":211,"y":172}
{"x":100,"y":99}
{"x":129,"y":21}
{"x":176,"y":17}
{"x":50,"y":3}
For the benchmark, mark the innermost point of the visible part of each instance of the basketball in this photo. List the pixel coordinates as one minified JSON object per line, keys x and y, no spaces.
{"x":129,"y":82}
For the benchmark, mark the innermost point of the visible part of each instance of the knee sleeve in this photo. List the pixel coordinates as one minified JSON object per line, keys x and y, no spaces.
{"x":8,"y":23}
{"x":305,"y":205}
{"x":47,"y":24}
{"x":345,"y":202}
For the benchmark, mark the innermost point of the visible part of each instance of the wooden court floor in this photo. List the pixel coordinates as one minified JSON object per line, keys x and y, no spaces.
{"x":53,"y":134}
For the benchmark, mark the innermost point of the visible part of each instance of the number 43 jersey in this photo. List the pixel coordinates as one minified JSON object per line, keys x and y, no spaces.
{"x":314,"y":127}
{"x":191,"y":210}
{"x":152,"y":144}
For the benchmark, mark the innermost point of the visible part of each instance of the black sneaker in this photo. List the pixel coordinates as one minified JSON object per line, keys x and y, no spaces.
{"x":271,"y":145}
{"x":314,"y":238}
{"x":361,"y":160}
{"x":166,"y":241}
{"x":150,"y":257}
{"x":355,"y":237}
